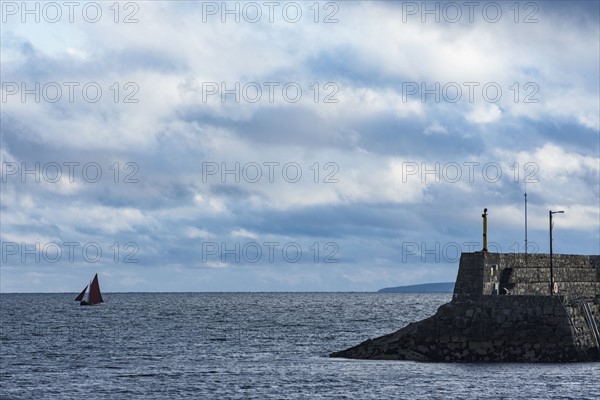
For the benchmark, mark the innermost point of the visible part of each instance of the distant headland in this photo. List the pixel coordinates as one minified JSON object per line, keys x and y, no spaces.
{"x":440,"y":287}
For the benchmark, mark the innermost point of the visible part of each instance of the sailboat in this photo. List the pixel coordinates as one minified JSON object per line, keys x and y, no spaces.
{"x":93,"y":297}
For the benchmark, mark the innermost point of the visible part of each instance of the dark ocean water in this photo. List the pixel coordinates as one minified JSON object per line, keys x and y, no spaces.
{"x":244,"y":346}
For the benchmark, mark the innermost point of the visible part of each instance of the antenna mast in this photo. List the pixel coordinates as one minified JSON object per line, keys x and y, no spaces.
{"x":526,"y":222}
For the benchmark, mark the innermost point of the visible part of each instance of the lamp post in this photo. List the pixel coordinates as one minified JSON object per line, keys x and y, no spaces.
{"x":525,"y":226}
{"x":550,"y":212}
{"x":484,"y":216}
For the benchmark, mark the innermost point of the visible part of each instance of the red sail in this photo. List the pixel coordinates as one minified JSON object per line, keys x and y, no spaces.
{"x":95,"y":296}
{"x":80,"y":297}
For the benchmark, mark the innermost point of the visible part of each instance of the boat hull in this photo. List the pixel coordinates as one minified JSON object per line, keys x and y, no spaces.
{"x":85,"y":303}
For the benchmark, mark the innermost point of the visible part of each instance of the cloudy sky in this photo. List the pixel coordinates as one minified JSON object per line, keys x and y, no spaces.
{"x":291,"y":146}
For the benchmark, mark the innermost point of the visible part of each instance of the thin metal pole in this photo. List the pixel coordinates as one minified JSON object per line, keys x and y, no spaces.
{"x":550,"y":212}
{"x":551,"y":269}
{"x":525,"y":226}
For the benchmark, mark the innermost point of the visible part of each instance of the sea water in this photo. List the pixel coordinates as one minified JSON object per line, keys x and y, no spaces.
{"x":244,"y":346}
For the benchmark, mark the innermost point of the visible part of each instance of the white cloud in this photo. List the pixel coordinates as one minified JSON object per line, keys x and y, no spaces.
{"x":194,"y":233}
{"x":435,"y":128}
{"x":484,"y":114}
{"x":243,"y":233}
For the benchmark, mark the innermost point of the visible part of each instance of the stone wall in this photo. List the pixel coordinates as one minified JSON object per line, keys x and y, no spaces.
{"x":516,"y":274}
{"x":487,"y":329}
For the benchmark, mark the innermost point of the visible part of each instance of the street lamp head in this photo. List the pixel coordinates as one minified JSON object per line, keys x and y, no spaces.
{"x":556,"y":212}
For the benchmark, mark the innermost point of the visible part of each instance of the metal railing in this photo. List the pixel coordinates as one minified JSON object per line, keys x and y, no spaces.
{"x":589,"y":317}
{"x":578,"y":339}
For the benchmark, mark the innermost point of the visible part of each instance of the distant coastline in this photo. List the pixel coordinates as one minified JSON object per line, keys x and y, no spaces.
{"x":440,"y":287}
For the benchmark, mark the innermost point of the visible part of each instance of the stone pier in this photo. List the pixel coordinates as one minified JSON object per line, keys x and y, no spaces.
{"x":502,"y":310}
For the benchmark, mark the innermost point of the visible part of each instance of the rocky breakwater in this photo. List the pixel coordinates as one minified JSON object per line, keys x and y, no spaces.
{"x":489,"y":329}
